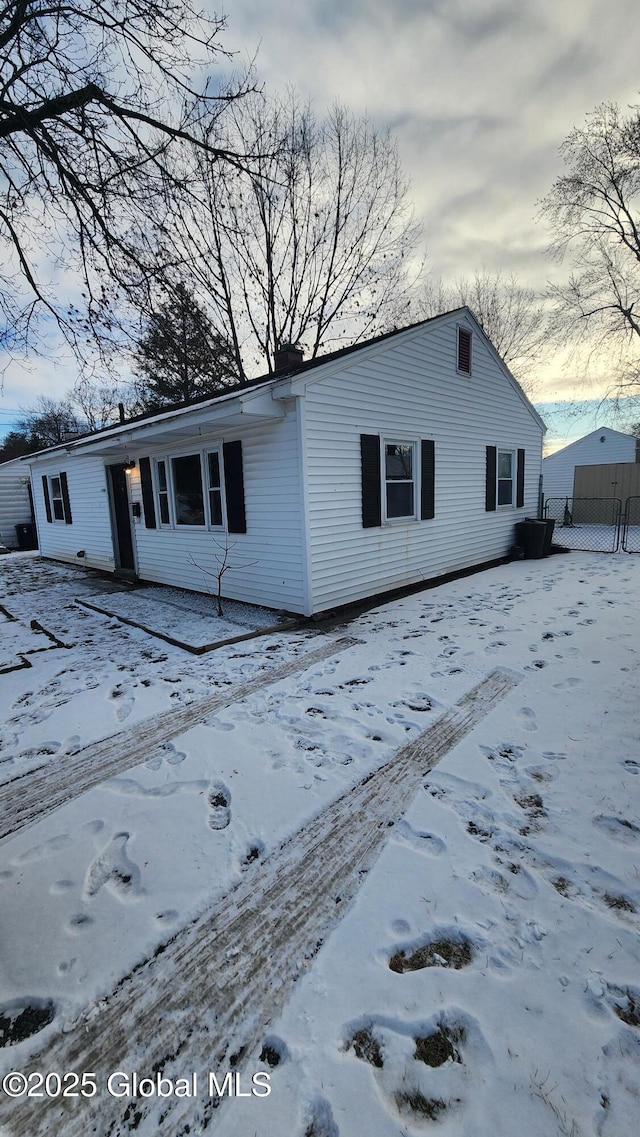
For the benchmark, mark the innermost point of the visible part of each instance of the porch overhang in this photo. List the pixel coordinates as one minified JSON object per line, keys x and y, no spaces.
{"x":186,"y":425}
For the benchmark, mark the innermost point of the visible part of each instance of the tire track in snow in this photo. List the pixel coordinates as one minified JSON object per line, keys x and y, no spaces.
{"x":203,"y":1002}
{"x":29,"y":797}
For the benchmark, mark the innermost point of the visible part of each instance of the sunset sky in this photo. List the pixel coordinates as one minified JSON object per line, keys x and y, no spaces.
{"x":479,"y":94}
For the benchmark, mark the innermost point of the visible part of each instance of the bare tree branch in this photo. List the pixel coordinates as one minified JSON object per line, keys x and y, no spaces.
{"x":512,"y":316}
{"x":97,"y":99}
{"x":310,"y":245}
{"x":593,"y":213}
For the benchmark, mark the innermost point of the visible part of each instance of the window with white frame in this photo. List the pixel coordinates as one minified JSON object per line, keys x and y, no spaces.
{"x":215,"y":488}
{"x":189,"y":490}
{"x":57,"y":503}
{"x":506,"y":465}
{"x":163,"y":492}
{"x":400,"y":479}
{"x":188,"y":495}
{"x":55,"y":491}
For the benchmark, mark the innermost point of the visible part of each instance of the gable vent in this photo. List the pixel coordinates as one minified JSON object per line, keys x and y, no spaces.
{"x":464,"y":351}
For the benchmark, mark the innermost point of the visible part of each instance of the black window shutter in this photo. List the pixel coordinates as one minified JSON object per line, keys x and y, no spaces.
{"x":464,"y":350}
{"x":520,"y":480}
{"x":490,"y":501}
{"x":234,"y":487}
{"x":47,"y":499}
{"x":148,"y":503}
{"x":371,"y":486}
{"x":427,"y":479}
{"x":66,"y":505}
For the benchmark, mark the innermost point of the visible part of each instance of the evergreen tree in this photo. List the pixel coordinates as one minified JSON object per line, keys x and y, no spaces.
{"x":180,"y":356}
{"x":15,"y":444}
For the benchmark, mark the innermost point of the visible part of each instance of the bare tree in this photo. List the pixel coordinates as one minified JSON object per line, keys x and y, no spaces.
{"x":593,"y":212}
{"x":224,"y":561}
{"x":512,"y":315}
{"x":95,"y":96}
{"x":311,"y":246}
{"x":48,"y":423}
{"x":99,"y":402}
{"x":89,"y":406}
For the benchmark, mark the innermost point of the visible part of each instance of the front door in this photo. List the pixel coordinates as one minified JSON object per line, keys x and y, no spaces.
{"x":123,"y":542}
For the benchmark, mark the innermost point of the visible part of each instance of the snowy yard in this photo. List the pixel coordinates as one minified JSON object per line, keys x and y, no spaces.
{"x":450,"y":948}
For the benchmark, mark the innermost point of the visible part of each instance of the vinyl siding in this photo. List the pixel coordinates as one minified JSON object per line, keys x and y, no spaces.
{"x":90,"y":529}
{"x":266,"y":561}
{"x":410,"y":389}
{"x":15,"y":508}
{"x":558,"y":469}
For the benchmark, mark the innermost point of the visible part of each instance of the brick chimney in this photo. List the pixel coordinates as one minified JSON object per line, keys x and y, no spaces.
{"x":287,"y":356}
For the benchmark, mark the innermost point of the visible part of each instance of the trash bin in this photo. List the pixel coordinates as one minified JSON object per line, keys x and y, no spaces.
{"x":531,"y":535}
{"x":550,"y":524}
{"x":26,"y":534}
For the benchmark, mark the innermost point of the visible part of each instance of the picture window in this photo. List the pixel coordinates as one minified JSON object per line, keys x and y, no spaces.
{"x":187,"y":490}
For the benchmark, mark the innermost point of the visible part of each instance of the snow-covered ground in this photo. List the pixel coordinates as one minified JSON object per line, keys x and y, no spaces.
{"x":479,"y":975}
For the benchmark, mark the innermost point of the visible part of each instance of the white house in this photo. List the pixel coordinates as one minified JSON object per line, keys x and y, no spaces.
{"x":603,"y":446}
{"x":15,"y":503}
{"x":392,"y":462}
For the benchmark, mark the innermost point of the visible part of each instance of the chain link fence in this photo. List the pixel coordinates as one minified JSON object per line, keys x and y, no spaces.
{"x":631,"y":526}
{"x":590,"y":524}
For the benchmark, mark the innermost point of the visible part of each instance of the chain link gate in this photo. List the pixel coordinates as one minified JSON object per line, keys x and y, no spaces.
{"x":631,"y":526}
{"x":588,"y":524}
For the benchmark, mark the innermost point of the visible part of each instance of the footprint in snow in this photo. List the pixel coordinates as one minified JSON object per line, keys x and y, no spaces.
{"x":541,"y":773}
{"x":166,"y":753}
{"x":79,"y":922}
{"x":219,"y":724}
{"x":113,"y":868}
{"x":21,"y":1019}
{"x":72,"y":744}
{"x":254,"y":852}
{"x":625,"y":1003}
{"x":124,"y":701}
{"x":421,"y":841}
{"x":129,"y":787}
{"x":620,"y":828}
{"x":274,"y":1051}
{"x":527,"y":717}
{"x":59,"y":887}
{"x":515,"y":881}
{"x":446,"y":947}
{"x":166,"y":917}
{"x":219,"y":801}
{"x":422,"y":1067}
{"x":319,"y":1120}
{"x":39,"y":852}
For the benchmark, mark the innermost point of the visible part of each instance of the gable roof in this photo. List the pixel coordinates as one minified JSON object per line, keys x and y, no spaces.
{"x":268,"y":381}
{"x":608,"y":431}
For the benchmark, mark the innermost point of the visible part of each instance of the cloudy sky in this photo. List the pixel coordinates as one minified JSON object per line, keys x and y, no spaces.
{"x":479,"y":93}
